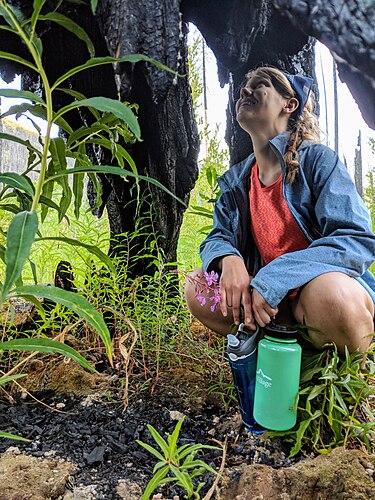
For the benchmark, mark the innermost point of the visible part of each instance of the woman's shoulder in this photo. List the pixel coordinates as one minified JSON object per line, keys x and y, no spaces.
{"x":237,"y":172}
{"x":316,"y":155}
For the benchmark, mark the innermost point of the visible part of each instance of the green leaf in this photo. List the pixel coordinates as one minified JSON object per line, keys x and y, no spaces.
{"x":91,"y":248}
{"x":37,"y":304}
{"x":97,"y":186}
{"x":17,"y":13}
{"x":21,"y":234}
{"x":20,"y":60}
{"x":21,"y":94}
{"x":301,"y":432}
{"x":155,"y":482}
{"x":198,"y":463}
{"x":194,"y":448}
{"x":45,"y":345}
{"x":10,"y":378}
{"x":7,"y":435}
{"x":118,"y":108}
{"x":27,"y":144}
{"x":77,"y":304}
{"x":38,"y":111}
{"x":343,"y":408}
{"x":20,"y":182}
{"x":94,"y":4}
{"x":78,"y":186}
{"x":58,"y":153}
{"x":10,"y":207}
{"x":79,"y":96}
{"x":183,"y":479}
{"x":173,"y":439}
{"x":37,"y":7}
{"x":152,"y":450}
{"x":71,"y":26}
{"x":115,"y":171}
{"x":158,"y":440}
{"x":49,"y":203}
{"x":98,"y":61}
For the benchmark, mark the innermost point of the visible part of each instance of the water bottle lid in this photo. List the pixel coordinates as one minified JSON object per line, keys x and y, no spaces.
{"x":280,"y":331}
{"x":233,"y":341}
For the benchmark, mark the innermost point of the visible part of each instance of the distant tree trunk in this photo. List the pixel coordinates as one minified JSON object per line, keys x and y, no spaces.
{"x":335,"y":106}
{"x":358,"y":169}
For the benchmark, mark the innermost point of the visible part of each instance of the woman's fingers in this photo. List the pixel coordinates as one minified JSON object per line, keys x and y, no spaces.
{"x":236,"y":306}
{"x":223,"y":301}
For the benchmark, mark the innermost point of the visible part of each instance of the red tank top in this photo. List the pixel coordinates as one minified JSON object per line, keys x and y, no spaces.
{"x":274,"y":228}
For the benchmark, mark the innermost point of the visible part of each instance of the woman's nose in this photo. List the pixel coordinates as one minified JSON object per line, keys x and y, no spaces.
{"x":245,"y":92}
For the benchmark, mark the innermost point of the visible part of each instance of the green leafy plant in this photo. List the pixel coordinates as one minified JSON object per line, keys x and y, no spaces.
{"x":111,"y":119}
{"x":333,"y":403}
{"x":176,"y":465}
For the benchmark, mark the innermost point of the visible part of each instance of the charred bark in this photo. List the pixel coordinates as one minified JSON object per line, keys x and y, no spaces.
{"x":347,"y":28}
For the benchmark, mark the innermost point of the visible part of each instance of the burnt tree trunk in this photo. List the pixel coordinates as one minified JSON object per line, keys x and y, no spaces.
{"x":242,"y":34}
{"x":347,"y":28}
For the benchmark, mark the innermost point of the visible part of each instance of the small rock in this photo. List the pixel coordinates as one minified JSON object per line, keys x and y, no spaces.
{"x":60,"y":405}
{"x":13,"y":449}
{"x":176,"y":415}
{"x":128,"y":490}
{"x":50,"y":453}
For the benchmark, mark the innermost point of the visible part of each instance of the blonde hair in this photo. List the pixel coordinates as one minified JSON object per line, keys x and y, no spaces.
{"x":302,"y":126}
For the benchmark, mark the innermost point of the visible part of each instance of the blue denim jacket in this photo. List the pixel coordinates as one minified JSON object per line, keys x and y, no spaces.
{"x":327,"y":208}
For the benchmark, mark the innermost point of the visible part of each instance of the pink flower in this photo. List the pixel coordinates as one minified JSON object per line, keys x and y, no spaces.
{"x":211,"y":278}
{"x":215,"y":299}
{"x":201,"y":299}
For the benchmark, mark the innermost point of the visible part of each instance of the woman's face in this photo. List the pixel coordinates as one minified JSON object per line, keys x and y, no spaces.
{"x":259,"y":104}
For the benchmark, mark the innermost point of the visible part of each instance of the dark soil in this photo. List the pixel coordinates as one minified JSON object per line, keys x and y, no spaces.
{"x":100,"y":436}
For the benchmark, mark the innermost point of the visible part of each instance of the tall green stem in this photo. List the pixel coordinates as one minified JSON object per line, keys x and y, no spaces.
{"x":48,"y":96}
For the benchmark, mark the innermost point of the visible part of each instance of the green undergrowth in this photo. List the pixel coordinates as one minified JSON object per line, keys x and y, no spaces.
{"x":336,"y":405}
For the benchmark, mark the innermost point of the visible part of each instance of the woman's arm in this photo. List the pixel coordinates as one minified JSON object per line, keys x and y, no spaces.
{"x":347,"y":244}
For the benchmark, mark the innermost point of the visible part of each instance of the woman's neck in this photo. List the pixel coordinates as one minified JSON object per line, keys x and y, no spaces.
{"x":269,"y":167}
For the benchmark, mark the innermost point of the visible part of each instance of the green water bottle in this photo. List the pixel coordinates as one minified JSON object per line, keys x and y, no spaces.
{"x":277,"y":378}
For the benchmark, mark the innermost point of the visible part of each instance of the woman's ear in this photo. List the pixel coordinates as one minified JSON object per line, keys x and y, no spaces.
{"x":291,"y":105}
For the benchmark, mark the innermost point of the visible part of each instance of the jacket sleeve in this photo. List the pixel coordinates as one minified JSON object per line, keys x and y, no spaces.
{"x":221,"y":240}
{"x":347,"y":243}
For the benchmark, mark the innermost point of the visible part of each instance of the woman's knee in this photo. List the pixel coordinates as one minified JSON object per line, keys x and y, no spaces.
{"x":334,"y":296}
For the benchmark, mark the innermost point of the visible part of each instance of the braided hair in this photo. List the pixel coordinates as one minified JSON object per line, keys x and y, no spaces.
{"x":302,"y":126}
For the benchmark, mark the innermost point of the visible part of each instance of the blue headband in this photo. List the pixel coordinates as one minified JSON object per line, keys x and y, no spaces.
{"x":301,"y":86}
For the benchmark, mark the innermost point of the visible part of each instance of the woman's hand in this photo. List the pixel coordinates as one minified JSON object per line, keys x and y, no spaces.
{"x":263,"y":312}
{"x":235,"y":290}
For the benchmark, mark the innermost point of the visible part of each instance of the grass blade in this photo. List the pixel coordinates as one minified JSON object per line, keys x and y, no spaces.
{"x":7,"y":435}
{"x":92,"y":248}
{"x":113,"y":171}
{"x":74,"y":302}
{"x":10,"y":378}
{"x":45,"y":345}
